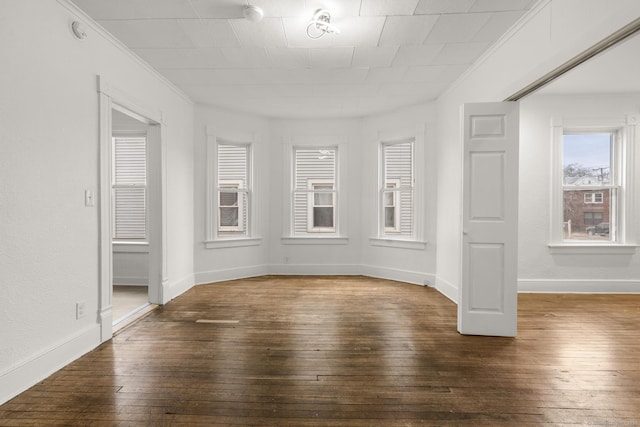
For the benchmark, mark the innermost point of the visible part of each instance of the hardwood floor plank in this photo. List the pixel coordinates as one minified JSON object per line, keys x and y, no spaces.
{"x":338,"y":351}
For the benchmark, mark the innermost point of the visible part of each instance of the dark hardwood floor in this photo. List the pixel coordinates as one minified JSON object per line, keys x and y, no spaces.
{"x":349,"y":351}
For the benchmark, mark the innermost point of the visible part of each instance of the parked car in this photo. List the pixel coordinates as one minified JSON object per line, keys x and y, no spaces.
{"x":601,"y":229}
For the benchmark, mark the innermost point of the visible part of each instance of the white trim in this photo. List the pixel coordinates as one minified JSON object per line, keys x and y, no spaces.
{"x":130,"y":280}
{"x":28,"y":372}
{"x":578,"y":286}
{"x":214,"y":138}
{"x":448,"y":290}
{"x":130,"y":247}
{"x":406,"y":276}
{"x":314,"y":240}
{"x":178,"y":287}
{"x":89,"y":22}
{"x":111,"y":98}
{"x":233,"y":242}
{"x":388,"y":242}
{"x":622,"y":215}
{"x":587,"y":248}
{"x":341,"y":184}
{"x":316,"y":269}
{"x":205,"y":277}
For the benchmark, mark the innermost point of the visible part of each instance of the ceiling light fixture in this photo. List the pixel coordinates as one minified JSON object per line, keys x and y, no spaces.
{"x":321,"y":25}
{"x":252,"y":13}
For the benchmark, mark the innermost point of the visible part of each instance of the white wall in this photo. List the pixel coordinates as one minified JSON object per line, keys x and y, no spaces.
{"x":216,"y":264}
{"x":416,"y":264}
{"x":49,"y":156}
{"x":316,"y":259}
{"x":554,"y":32}
{"x":540,"y":269}
{"x":358,"y":156}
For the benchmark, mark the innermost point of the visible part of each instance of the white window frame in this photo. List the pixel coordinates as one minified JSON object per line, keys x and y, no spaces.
{"x":340,"y":235}
{"x":226,"y":185}
{"x":395,"y":205}
{"x":311,"y":204}
{"x":213,"y":238}
{"x":622,"y":207}
{"x":383,"y":231}
{"x":115,"y":186}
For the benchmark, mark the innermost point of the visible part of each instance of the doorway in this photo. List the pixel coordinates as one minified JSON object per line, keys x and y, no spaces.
{"x":126,"y":258}
{"x":130,"y":216}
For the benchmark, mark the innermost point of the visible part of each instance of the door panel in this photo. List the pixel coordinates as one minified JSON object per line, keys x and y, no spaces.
{"x":488,"y":294}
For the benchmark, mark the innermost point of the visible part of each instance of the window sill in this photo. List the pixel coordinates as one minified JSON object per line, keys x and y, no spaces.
{"x":397,"y":243}
{"x":592,"y":249}
{"x":130,"y":247}
{"x":233,"y":243}
{"x":309,"y":240}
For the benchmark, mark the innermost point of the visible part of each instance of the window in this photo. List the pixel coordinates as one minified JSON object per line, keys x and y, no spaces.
{"x":129,"y":187}
{"x":593,"y":197}
{"x":397,"y":189}
{"x":233,"y":190}
{"x":591,"y":183}
{"x":314,"y":192}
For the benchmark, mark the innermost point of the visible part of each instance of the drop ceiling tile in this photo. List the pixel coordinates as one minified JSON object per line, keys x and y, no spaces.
{"x":423,"y":54}
{"x":209,"y":32}
{"x":358,"y":31}
{"x":457,"y":28}
{"x":205,"y":77}
{"x":284,"y":57}
{"x":440,"y":74}
{"x":400,"y":30}
{"x":136,"y":9}
{"x":500,"y":5}
{"x":246,"y":57}
{"x":374,"y":56}
{"x":460,"y":53}
{"x":183,"y":58}
{"x":377,"y":76}
{"x":281,"y":8}
{"x":387,"y":7}
{"x":337,"y":8}
{"x":335,"y":57}
{"x":421,"y":92}
{"x":428,"y":7}
{"x":268,"y":32}
{"x":499,"y":23}
{"x":157,"y":33}
{"x":218,"y":9}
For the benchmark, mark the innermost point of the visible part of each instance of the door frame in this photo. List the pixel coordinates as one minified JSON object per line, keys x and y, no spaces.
{"x":111,"y":98}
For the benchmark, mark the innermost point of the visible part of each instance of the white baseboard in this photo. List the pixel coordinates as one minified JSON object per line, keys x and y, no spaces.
{"x":414,"y":277}
{"x":29,"y":372}
{"x":447,"y":289}
{"x":204,"y":277}
{"x":173,"y":289}
{"x":130,"y":281}
{"x":579,"y":286}
{"x":316,"y":269}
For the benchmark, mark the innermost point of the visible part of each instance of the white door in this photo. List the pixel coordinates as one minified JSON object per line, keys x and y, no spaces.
{"x":488,"y":296}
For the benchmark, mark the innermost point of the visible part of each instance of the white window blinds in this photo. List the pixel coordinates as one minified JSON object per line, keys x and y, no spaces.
{"x":129,"y":188}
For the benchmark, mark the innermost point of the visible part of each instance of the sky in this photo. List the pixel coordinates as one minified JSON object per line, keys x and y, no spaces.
{"x":590,"y":150}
